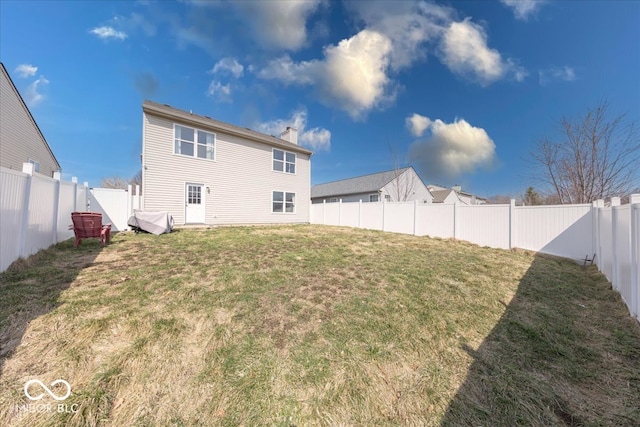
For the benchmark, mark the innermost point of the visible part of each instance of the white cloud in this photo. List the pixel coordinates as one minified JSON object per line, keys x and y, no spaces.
{"x":26,"y":70}
{"x":219,"y":91}
{"x":106,"y":33}
{"x":280,"y":24}
{"x":273,"y":24}
{"x":317,"y":138}
{"x":32,"y":95}
{"x":452,"y":149}
{"x":464,"y":50}
{"x":417,"y":124}
{"x":289,"y":72}
{"x":352,"y":75}
{"x":523,"y":9}
{"x":565,"y":73}
{"x":409,"y":25}
{"x":228,"y":65}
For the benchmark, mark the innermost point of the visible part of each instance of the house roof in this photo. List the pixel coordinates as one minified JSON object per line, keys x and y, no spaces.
{"x":24,"y":104}
{"x":439,"y":196}
{"x":361,"y":184}
{"x":172,"y":113}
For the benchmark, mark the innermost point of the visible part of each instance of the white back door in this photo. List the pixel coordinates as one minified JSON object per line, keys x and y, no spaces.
{"x":194,"y":204}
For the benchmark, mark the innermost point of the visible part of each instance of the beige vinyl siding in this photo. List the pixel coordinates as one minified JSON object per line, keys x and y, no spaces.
{"x":240,"y":180}
{"x":20,"y":139}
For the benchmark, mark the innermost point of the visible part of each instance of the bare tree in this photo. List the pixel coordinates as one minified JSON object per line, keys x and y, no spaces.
{"x":500,"y":199}
{"x":122,"y":183}
{"x":114,"y":182}
{"x":404,"y":184}
{"x":595,"y":157}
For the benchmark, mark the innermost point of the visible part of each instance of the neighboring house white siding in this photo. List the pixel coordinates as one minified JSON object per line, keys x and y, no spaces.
{"x":406,"y":188}
{"x":237,"y":185}
{"x":20,"y":138}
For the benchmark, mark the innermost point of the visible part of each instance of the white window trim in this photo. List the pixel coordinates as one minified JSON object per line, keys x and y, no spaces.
{"x":284,"y":202}
{"x":284,"y":161}
{"x":195,"y":143}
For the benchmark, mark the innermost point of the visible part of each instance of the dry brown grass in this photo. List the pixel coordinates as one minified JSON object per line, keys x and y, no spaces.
{"x":309,"y":325}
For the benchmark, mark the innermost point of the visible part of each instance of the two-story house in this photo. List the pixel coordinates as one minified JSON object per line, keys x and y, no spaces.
{"x":21,"y":140}
{"x":204,"y":171}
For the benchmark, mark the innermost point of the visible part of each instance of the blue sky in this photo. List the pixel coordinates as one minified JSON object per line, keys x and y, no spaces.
{"x":461,"y":90}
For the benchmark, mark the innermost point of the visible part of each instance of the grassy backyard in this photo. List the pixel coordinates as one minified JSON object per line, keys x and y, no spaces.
{"x":309,"y":325}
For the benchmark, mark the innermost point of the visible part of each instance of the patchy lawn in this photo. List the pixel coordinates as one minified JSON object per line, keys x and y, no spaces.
{"x":310,"y":325}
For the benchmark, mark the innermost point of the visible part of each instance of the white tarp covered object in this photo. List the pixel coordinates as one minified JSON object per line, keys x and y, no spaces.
{"x":156,"y":222}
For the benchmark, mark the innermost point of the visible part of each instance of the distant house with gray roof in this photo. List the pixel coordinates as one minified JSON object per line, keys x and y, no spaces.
{"x":453,"y":195}
{"x":398,"y":185}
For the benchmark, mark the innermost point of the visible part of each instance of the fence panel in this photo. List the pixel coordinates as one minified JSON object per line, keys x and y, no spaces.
{"x":350,"y":215}
{"x":372,"y":216}
{"x":13,"y":187}
{"x":622,"y":252}
{"x":635,"y":259}
{"x":484,"y":225}
{"x":604,"y":259}
{"x":398,"y":217}
{"x":315,"y":213}
{"x":435,"y":220}
{"x":557,"y":230}
{"x":41,"y":223}
{"x":332,"y":213}
{"x":82,"y":199}
{"x":68,"y":194}
{"x":113,"y":204}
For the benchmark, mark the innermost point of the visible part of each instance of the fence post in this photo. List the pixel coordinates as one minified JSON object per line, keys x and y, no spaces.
{"x":455,"y":221}
{"x":56,"y":206}
{"x":324,"y":216}
{"x":340,"y":212}
{"x":383,"y":212}
{"x":615,"y":201}
{"x":415,"y":217}
{"x":27,"y":168}
{"x":75,"y":193}
{"x":512,"y":223}
{"x":634,"y":213}
{"x":597,"y":204}
{"x":360,"y":213}
{"x":87,"y":198}
{"x":137,"y":200}
{"x":130,"y":201}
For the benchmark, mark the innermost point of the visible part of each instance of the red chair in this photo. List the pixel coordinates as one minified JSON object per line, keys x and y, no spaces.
{"x":89,"y":224}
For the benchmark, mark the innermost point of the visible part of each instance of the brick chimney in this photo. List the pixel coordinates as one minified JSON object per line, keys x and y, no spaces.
{"x":291,"y":135}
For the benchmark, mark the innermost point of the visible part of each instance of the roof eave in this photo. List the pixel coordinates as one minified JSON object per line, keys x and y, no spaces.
{"x":157,"y":110}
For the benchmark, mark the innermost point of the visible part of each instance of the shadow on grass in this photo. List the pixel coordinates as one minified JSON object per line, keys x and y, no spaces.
{"x":565,"y":352}
{"x":30,"y":288}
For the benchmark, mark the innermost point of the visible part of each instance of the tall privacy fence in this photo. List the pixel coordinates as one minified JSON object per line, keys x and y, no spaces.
{"x":35,"y":210}
{"x":608,"y":236}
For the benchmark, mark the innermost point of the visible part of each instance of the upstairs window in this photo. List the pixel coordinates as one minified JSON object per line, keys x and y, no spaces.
{"x":194,"y":143}
{"x":284,"y":161}
{"x":374,"y":198}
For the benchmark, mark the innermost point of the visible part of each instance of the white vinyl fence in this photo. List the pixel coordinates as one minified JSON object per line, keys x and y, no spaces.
{"x":611,"y":235}
{"x":35,"y":210}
